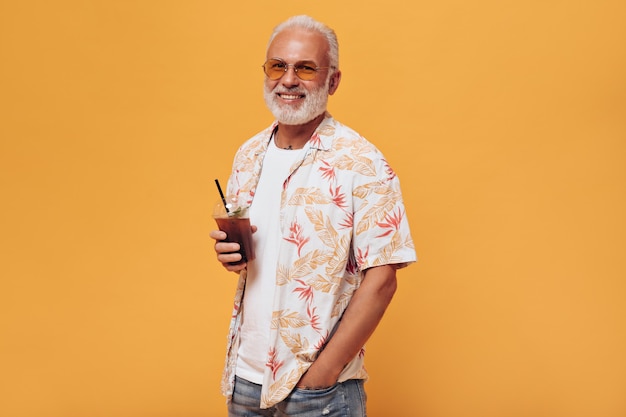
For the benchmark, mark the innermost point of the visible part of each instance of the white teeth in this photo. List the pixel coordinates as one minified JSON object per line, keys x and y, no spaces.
{"x":289,"y":97}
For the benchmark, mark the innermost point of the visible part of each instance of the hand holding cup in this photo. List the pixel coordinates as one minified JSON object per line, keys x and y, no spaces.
{"x":233,"y":218}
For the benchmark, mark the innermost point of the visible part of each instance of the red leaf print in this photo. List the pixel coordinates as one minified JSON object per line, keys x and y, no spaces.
{"x":295,"y":236}
{"x":322,"y":342}
{"x":315,"y":140}
{"x":306,"y":291}
{"x":315,"y":319}
{"x":392,"y":222}
{"x":390,"y":172}
{"x":352,"y":267}
{"x":362,"y":256}
{"x":328,"y":171}
{"x":272,"y":361}
{"x":339,"y":198}
{"x":348,"y":222}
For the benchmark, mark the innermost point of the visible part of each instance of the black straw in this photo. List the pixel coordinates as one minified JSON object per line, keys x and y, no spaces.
{"x":222,"y":195}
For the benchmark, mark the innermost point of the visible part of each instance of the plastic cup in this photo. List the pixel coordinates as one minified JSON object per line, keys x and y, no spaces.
{"x":235,"y":222}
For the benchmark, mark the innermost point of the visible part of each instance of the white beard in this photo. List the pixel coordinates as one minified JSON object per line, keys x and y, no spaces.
{"x":314,"y":104}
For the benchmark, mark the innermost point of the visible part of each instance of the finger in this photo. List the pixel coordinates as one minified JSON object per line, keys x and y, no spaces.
{"x":217,"y":235}
{"x":229,"y":258}
{"x":226,"y":247}
{"x":235,"y":268}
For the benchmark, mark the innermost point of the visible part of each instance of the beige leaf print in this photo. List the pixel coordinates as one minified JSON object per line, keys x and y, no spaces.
{"x":378,"y":212}
{"x":308,"y":196}
{"x":316,"y":217}
{"x":363,"y":147}
{"x":371,"y":187}
{"x":324,"y":228}
{"x":321,"y":283}
{"x":329,"y":236}
{"x":356,"y":163}
{"x":342,"y":143}
{"x":337,"y":261}
{"x":281,"y":388}
{"x":342,"y":303}
{"x":304,"y":265}
{"x":408,"y":242}
{"x":356,"y":148}
{"x":280,"y":319}
{"x":282,"y":275}
{"x":388,"y":254}
{"x":244,"y":161}
{"x":353,"y":280}
{"x":326,"y":130}
{"x":294,"y":341}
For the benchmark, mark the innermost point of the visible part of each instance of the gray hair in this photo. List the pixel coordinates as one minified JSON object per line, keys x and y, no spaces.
{"x":308,"y":23}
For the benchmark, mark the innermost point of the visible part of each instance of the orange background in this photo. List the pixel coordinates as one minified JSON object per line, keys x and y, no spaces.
{"x":506,"y":122}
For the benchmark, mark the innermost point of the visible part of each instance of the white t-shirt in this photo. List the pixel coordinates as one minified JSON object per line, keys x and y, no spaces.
{"x":259,"y":293}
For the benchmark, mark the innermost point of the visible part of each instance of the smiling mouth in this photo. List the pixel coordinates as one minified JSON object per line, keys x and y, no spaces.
{"x":290,"y":96}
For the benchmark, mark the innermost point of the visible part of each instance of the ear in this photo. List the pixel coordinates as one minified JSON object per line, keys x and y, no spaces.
{"x":333,"y":83}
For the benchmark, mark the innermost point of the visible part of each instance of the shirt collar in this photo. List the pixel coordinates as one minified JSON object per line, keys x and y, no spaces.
{"x":322,"y":137}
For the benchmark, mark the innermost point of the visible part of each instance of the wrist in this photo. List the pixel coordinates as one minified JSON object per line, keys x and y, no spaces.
{"x":318,"y":377}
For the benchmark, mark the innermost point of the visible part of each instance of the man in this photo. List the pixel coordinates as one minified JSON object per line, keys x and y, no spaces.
{"x":330,"y":232}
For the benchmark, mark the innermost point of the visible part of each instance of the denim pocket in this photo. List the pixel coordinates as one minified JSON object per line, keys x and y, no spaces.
{"x":329,"y":402}
{"x":320,"y":391}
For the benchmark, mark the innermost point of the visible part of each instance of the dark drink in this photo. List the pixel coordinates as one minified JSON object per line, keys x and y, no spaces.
{"x":238,"y":230}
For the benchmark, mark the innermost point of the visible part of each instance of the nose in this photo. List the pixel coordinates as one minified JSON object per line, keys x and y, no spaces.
{"x":290,"y":79}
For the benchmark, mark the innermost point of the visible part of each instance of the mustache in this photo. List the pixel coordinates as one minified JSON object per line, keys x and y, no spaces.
{"x":292,"y":90}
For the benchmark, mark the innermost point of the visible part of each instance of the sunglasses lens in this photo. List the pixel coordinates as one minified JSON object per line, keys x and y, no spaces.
{"x":274,"y":68}
{"x":306,"y":70}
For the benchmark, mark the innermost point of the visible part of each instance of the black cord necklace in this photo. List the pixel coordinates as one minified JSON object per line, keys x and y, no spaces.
{"x":274,"y":135}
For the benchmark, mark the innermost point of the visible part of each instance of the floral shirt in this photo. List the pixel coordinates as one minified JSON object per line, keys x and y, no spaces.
{"x":341,"y":213}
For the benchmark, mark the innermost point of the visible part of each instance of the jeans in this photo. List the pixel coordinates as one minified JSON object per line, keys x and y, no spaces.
{"x":344,"y":399}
